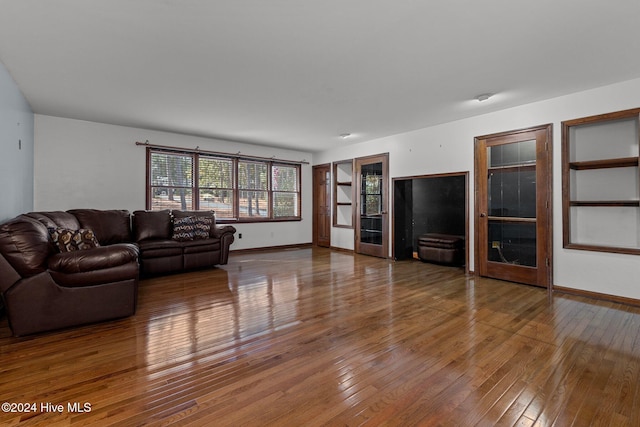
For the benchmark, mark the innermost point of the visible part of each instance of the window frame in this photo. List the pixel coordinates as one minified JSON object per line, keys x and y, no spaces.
{"x":235,"y":160}
{"x":272,"y":191}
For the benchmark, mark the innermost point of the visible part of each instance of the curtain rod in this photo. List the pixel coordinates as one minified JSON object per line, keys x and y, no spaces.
{"x":237,"y":155}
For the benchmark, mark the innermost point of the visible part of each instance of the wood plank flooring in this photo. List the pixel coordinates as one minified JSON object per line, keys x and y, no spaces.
{"x":313,"y":337}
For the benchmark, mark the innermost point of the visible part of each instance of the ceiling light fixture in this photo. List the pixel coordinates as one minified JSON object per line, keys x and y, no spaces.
{"x":483,"y":97}
{"x":345,"y":135}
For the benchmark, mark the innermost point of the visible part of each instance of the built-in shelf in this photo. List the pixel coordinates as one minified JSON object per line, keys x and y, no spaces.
{"x":343,"y":197}
{"x":605,"y":203}
{"x":601,"y":182}
{"x":605,"y":163}
{"x":511,"y":219}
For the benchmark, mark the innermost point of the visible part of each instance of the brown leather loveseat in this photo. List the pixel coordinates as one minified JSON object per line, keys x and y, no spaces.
{"x":60,"y":269}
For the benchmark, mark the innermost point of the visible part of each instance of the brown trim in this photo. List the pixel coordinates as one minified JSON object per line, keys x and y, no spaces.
{"x":604,"y":163}
{"x":435,"y":175}
{"x":232,"y":221}
{"x":218,"y":153}
{"x":598,"y":248}
{"x":148,"y":180}
{"x":597,"y":295}
{"x":616,"y":115}
{"x":515,"y":134}
{"x":335,"y":248}
{"x":273,"y":248}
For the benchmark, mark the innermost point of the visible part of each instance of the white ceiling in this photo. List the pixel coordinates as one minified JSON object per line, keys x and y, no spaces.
{"x":298,"y":73}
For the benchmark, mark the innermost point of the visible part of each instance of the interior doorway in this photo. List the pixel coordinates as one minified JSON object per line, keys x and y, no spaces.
{"x":322,"y":205}
{"x":372,"y":218}
{"x":428,"y":204}
{"x":513,"y":206}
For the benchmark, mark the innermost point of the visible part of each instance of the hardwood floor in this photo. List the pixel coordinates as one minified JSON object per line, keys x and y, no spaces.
{"x":319,"y":337}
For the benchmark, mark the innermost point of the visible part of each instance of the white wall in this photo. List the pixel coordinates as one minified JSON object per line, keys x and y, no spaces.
{"x":81,"y":164}
{"x":16,"y":149}
{"x":108,"y":172}
{"x":449,"y":148}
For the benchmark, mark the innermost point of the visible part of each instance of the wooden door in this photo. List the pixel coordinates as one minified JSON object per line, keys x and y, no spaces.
{"x":322,"y":205}
{"x":372,"y":200}
{"x":513,"y":206}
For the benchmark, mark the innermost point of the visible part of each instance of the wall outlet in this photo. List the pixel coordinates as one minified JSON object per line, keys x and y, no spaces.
{"x":495,"y":244}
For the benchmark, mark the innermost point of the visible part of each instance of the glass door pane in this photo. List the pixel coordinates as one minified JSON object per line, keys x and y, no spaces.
{"x":512,"y":243}
{"x":512,"y":203}
{"x":512,"y":192}
{"x":371,"y":204}
{"x":372,"y":223}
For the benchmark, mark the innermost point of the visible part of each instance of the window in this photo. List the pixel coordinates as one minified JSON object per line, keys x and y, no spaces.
{"x":237,"y":189}
{"x":286,"y":192}
{"x":215,"y":178}
{"x":252,"y":187}
{"x":171,"y":181}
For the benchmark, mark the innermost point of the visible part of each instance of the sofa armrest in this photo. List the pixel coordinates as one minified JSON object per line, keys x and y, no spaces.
{"x":218,"y":231}
{"x":37,"y":303}
{"x":226,"y":235}
{"x":99,"y":258}
{"x":8,"y":276}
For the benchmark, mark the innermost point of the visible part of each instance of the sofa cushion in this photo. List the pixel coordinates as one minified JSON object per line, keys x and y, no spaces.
{"x":102,"y":277}
{"x":202,"y":227}
{"x":73,"y":240}
{"x":97,"y":259}
{"x":109,"y":226}
{"x":183,"y":229}
{"x":151,"y":225}
{"x":201,"y":245}
{"x":54,"y":219}
{"x":157,"y":248}
{"x":198,"y":214}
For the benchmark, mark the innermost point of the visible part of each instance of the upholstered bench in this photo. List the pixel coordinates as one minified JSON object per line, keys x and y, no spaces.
{"x":441,"y":248}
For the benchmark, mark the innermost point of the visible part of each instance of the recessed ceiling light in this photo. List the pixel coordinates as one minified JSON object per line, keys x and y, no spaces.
{"x":345,"y":135}
{"x":483,"y":97}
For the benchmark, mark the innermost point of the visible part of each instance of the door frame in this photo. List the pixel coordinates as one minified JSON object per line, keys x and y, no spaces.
{"x":316,"y":209}
{"x":544,"y":211}
{"x":382,"y":250}
{"x":465,"y":175}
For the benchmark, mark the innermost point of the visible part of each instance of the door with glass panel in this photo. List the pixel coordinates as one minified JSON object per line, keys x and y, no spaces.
{"x":372,"y":219}
{"x":513,"y":206}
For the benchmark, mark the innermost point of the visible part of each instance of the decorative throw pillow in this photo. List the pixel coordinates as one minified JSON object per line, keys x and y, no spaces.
{"x":183,"y":229}
{"x":67,"y":240}
{"x":202,"y":227}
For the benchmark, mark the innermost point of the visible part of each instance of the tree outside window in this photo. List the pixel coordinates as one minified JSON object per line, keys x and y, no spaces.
{"x":236,"y":189}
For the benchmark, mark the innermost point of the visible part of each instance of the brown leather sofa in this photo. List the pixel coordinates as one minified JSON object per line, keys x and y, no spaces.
{"x":162,"y":251}
{"x":47,"y":284}
{"x":44,"y":289}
